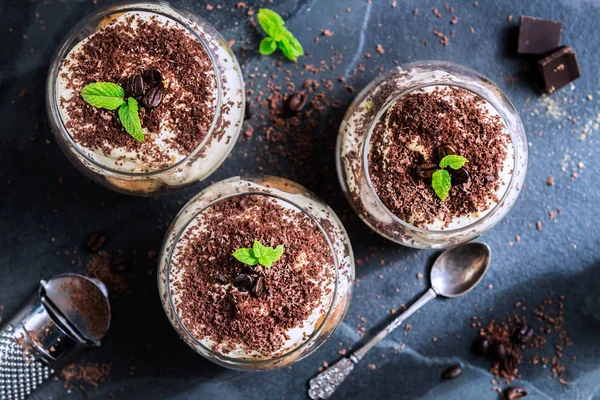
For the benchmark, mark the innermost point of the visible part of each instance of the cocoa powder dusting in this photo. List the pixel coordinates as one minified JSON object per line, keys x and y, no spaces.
{"x":449,"y":116}
{"x":214,"y":298}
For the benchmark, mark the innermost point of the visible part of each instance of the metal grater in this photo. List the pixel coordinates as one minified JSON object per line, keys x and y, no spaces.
{"x":48,"y":333}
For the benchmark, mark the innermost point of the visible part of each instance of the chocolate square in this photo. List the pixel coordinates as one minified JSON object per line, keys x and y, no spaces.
{"x":538,"y":36}
{"x":559,"y":69}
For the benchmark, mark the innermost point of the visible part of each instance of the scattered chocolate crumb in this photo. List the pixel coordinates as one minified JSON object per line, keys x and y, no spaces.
{"x":538,"y":226}
{"x":326,"y":32}
{"x":91,"y":373}
{"x":550,"y":181}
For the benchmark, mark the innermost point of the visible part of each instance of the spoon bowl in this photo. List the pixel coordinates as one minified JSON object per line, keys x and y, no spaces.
{"x":458,"y":270}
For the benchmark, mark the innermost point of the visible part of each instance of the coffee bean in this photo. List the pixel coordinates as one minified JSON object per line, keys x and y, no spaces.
{"x":297,"y":101}
{"x":153,"y":97}
{"x":95,"y":241}
{"x":481,"y":346}
{"x":509,"y":364}
{"x":248,"y":113}
{"x":523,"y":335}
{"x":121,"y":264}
{"x":498,"y":351}
{"x":444,"y":151}
{"x":152,"y":77}
{"x":222,"y":279}
{"x":458,"y":176}
{"x":135,"y":86}
{"x":258,"y":287}
{"x":514,"y":393}
{"x":248,"y":269}
{"x":426,"y":170}
{"x":243,"y":282}
{"x":452,"y":372}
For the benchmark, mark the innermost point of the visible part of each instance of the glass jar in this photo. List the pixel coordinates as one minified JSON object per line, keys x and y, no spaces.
{"x":354,"y":140}
{"x":293,"y":196}
{"x":211,"y":151}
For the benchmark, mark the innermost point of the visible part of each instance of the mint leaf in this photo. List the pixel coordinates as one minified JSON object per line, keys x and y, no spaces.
{"x":293,"y":44}
{"x":130,"y":118}
{"x":441,"y":183}
{"x":453,"y":161}
{"x":259,"y":254}
{"x":103,"y":95}
{"x":269,"y":20}
{"x":245,"y":256}
{"x":258,"y":249}
{"x":270,"y":255}
{"x":288,"y":49}
{"x":267,"y":46}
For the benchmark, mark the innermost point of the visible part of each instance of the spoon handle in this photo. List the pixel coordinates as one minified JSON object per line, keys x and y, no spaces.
{"x":323,"y":385}
{"x":424,"y":299}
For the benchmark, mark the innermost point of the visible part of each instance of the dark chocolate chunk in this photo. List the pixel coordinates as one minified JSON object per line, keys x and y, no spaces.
{"x":538,"y":36}
{"x":559,"y":69}
{"x":444,"y":151}
{"x":258,"y":287}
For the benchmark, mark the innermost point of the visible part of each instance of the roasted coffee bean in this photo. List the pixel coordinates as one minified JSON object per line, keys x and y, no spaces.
{"x":297,"y":101}
{"x":243,"y":282}
{"x":95,"y":241}
{"x":509,"y":364}
{"x":258,"y":287}
{"x":153,"y":97}
{"x":481,"y":346}
{"x":452,"y":372}
{"x":444,"y":151}
{"x":135,"y":86}
{"x":222,"y":279}
{"x":152,"y":77}
{"x":498,"y":351}
{"x":523,"y":335}
{"x":426,"y":170}
{"x":458,"y":176}
{"x":514,"y":393}
{"x":121,"y":264}
{"x":248,"y":112}
{"x":248,"y":269}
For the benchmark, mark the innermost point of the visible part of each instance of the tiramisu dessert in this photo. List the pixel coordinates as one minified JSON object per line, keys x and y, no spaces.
{"x":431,"y":155}
{"x":256,"y":274}
{"x":151,"y":99}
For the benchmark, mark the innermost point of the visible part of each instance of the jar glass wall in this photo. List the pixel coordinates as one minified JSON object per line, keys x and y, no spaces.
{"x":290,"y":196}
{"x":355,"y":136}
{"x":222,"y":128}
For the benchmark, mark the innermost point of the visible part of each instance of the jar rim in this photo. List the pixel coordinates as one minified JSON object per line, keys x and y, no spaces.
{"x":160,"y":8}
{"x":452,"y":69}
{"x":250,"y":187}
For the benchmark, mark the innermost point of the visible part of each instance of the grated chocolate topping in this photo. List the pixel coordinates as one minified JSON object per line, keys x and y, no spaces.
{"x":216,"y":304}
{"x":422,"y":122}
{"x":129,"y":46}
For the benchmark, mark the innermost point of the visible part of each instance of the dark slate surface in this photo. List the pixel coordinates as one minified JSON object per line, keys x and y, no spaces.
{"x":47,"y":207}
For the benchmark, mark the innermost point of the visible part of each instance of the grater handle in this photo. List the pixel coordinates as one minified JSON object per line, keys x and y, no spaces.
{"x":20,"y":371}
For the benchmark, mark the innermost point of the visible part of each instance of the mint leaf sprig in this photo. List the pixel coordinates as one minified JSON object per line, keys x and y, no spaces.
{"x":259,"y":254}
{"x":112,"y":96}
{"x":441,"y":179}
{"x":278,"y":36}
